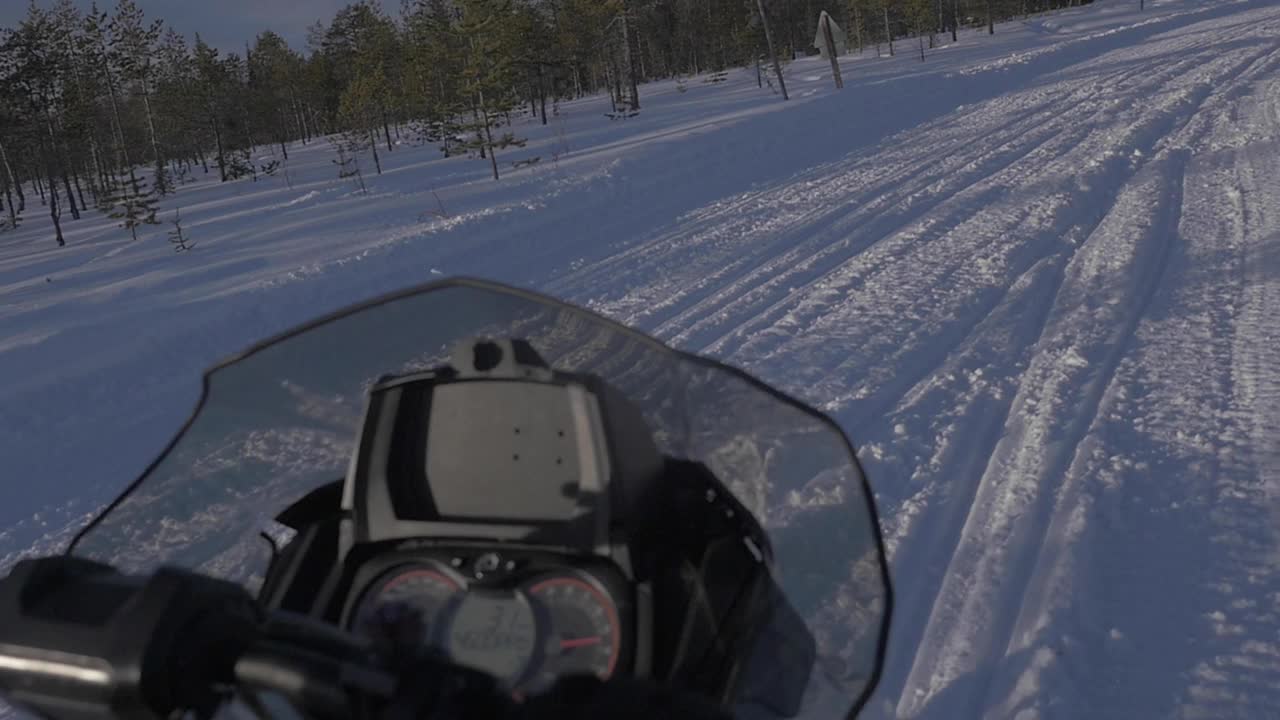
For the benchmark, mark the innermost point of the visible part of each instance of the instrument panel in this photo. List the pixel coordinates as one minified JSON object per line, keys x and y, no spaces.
{"x":526,"y":622}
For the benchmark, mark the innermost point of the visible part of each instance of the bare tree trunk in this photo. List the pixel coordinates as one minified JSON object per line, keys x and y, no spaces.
{"x":542,"y":92}
{"x":301,"y":112}
{"x":8,"y":169}
{"x":830,"y":41}
{"x":488,"y":134}
{"x":248,"y":130}
{"x":991,"y":20}
{"x":71,"y":198}
{"x":768,"y":38}
{"x":79,"y":190}
{"x":55,"y":209}
{"x":629,"y":59}
{"x":857,"y":23}
{"x":115,"y":114}
{"x":8,"y":197}
{"x":56,"y":213}
{"x":373,"y":145}
{"x":100,"y":161}
{"x":615,"y":82}
{"x":386,"y":130}
{"x":955,"y":20}
{"x":888,"y":33}
{"x":151,"y":123}
{"x":95,"y":162}
{"x":52,"y":167}
{"x":475,"y":111}
{"x":217,"y":141}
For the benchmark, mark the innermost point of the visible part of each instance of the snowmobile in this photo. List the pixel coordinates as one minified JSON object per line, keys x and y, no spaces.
{"x":467,"y":500}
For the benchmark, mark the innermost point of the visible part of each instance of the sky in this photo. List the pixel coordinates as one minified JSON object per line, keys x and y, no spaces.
{"x":225,"y":24}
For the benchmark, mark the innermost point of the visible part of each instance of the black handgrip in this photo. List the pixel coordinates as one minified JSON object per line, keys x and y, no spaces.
{"x":80,"y":640}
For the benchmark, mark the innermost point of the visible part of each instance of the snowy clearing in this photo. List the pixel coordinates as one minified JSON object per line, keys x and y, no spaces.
{"x":1036,"y":278}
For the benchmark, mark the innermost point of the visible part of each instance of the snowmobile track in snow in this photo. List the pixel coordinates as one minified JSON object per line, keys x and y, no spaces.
{"x":777,"y":279}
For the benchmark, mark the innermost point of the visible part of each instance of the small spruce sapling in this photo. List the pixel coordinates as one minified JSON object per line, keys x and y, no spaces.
{"x":177,"y":236}
{"x":133,"y":207}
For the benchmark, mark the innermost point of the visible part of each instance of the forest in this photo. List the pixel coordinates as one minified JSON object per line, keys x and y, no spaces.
{"x":107,"y":110}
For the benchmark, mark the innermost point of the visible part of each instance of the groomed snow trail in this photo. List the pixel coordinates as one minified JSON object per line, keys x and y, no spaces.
{"x":1051,"y":319}
{"x":1036,"y":278}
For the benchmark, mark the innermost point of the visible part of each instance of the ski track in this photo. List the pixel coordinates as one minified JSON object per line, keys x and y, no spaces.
{"x":1047,"y":317}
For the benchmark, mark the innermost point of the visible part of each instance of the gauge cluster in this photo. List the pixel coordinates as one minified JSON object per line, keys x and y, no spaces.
{"x":527,"y":619}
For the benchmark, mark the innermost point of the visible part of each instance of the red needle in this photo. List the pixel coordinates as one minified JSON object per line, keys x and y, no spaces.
{"x":580,"y":642}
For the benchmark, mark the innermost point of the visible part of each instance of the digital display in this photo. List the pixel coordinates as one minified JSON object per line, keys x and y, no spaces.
{"x":494,"y":633}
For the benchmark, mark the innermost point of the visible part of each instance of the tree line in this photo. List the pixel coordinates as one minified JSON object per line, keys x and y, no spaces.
{"x":108,"y":110}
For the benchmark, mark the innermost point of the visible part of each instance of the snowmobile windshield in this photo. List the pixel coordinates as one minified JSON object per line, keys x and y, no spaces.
{"x":281,"y":419}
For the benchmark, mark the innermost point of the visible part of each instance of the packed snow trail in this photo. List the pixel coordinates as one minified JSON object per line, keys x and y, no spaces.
{"x":1035,"y":243}
{"x":1036,"y":278}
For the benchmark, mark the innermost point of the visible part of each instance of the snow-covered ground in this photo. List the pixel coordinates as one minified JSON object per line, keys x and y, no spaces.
{"x":1036,"y":277}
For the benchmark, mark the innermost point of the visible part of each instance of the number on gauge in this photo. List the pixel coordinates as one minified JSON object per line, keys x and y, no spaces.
{"x":494,"y":633}
{"x":583,"y":635}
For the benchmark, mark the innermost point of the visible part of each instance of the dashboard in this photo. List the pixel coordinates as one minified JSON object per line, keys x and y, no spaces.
{"x":526,"y":617}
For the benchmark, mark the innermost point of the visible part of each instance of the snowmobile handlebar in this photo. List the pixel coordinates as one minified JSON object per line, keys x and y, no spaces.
{"x":81,"y":641}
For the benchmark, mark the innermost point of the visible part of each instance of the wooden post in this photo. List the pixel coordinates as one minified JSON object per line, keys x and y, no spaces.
{"x":831,"y":49}
{"x":768,"y":38}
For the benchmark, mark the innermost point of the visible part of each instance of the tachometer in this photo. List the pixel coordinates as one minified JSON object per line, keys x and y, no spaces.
{"x":583,"y":635}
{"x":405,"y":608}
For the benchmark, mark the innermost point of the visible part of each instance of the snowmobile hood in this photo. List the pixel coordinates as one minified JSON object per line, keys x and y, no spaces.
{"x":279,"y":421}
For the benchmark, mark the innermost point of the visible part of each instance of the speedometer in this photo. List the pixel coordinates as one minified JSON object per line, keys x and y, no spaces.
{"x":583,"y":635}
{"x":405,"y":608}
{"x":527,"y":629}
{"x":493,"y":632}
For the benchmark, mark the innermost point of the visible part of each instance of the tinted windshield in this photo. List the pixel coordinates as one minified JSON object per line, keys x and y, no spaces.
{"x":281,"y":420}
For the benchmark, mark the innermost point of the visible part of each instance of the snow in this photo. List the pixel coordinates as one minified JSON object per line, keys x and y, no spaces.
{"x":1036,"y":278}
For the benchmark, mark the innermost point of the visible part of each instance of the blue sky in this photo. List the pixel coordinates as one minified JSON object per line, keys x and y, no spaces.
{"x":226,"y":24}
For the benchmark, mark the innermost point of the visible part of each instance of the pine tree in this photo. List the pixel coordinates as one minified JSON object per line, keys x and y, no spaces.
{"x":434,"y":68}
{"x":96,"y":51}
{"x":132,"y":51}
{"x":347,"y":161}
{"x":177,"y":103}
{"x":32,"y":70}
{"x":488,"y":72}
{"x":358,"y":111}
{"x":211,"y":87}
{"x":133,"y":207}
{"x":177,"y":236}
{"x":274,"y":71}
{"x":920,"y":16}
